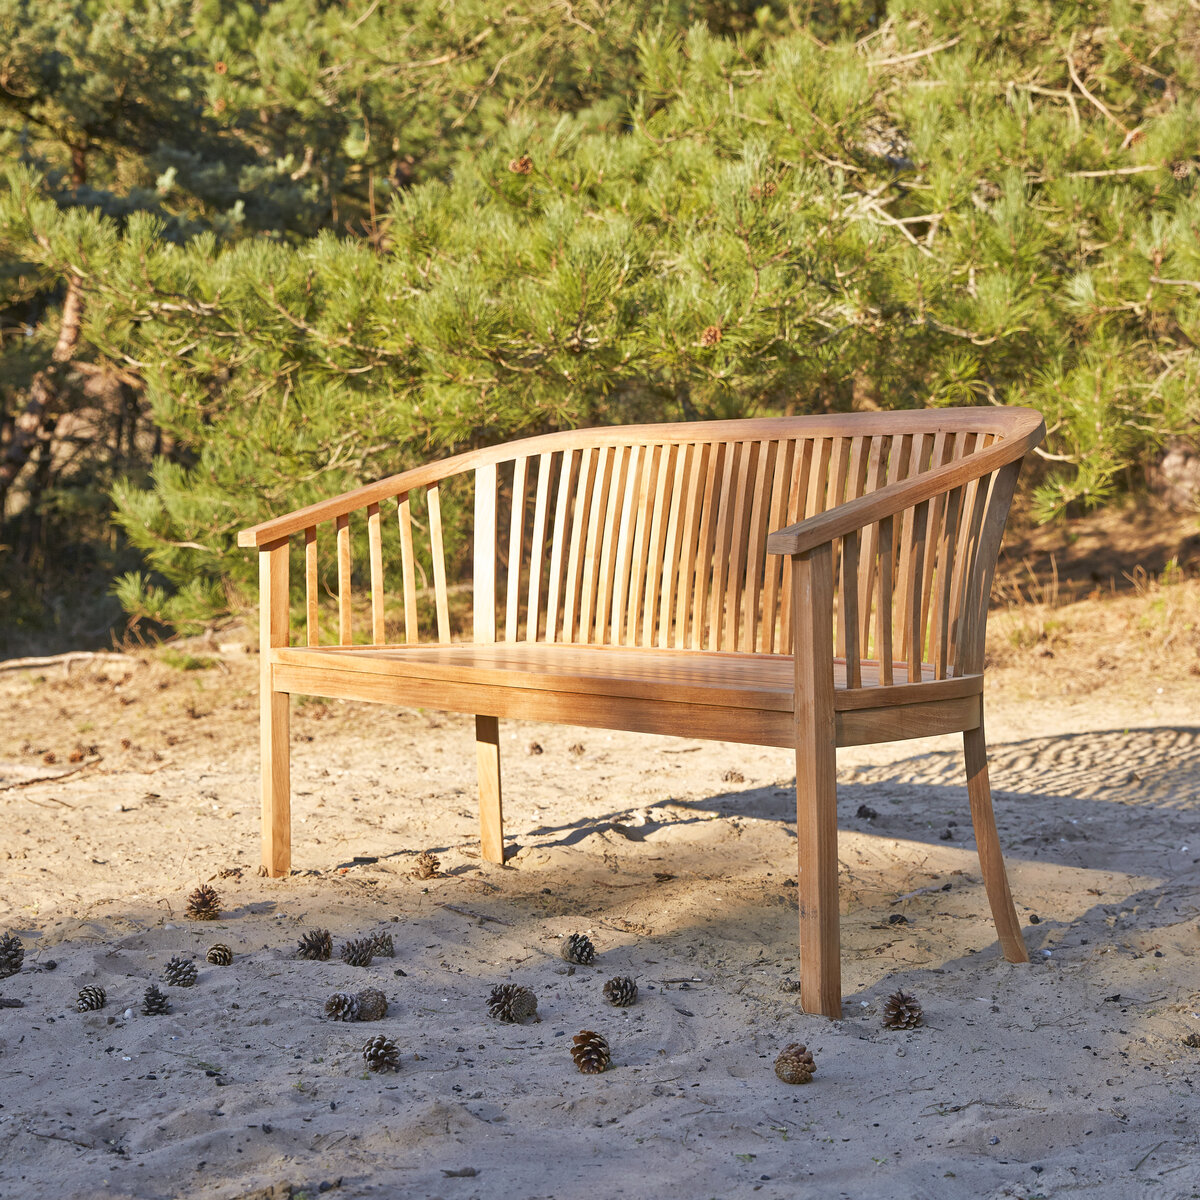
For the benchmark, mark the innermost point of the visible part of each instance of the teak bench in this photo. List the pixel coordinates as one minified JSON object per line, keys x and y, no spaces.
{"x":807,"y":582}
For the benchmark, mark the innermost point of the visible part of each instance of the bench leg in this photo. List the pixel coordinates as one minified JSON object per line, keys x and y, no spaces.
{"x":991,"y":861}
{"x":276,"y":783}
{"x":816,"y":786}
{"x":491,"y":813}
{"x":273,"y":712}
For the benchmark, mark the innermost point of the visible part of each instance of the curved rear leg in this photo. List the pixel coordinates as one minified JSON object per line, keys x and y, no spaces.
{"x":991,"y":861}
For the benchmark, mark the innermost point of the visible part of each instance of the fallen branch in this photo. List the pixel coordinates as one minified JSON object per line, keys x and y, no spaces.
{"x":24,"y":783}
{"x":55,"y":660}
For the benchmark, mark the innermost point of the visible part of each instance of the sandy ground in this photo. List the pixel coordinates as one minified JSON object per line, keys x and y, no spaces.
{"x":1071,"y":1076}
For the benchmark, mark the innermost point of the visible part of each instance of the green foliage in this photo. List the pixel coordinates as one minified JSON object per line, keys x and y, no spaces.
{"x":395,"y":233}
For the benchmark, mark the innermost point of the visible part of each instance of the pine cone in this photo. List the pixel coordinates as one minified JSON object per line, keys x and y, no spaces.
{"x":510,"y":1002}
{"x":219,"y":955}
{"x":372,"y":1004}
{"x":382,"y":1054}
{"x":711,"y":336}
{"x":342,"y":1006}
{"x":620,"y":991}
{"x":522,"y":165}
{"x":155,"y":1002}
{"x":90,"y":999}
{"x":179,"y":972}
{"x":902,"y":1011}
{"x":426,"y":866}
{"x":358,"y":952}
{"x":12,"y":955}
{"x":317,"y":945}
{"x":204,"y":904}
{"x":382,"y":945}
{"x":795,"y":1063}
{"x":577,"y":948}
{"x":590,"y":1052}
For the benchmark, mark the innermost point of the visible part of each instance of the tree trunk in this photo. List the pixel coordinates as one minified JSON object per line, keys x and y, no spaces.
{"x":35,"y":423}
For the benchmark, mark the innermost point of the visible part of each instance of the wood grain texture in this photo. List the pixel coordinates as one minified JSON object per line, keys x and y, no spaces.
{"x":274,"y":758}
{"x":412,"y":633}
{"x":312,"y":588}
{"x":991,"y":860}
{"x":516,"y":533}
{"x":375,"y":555}
{"x":345,"y":621}
{"x":491,"y":808}
{"x":816,"y":784}
{"x":433,"y":498}
{"x":484,"y":575}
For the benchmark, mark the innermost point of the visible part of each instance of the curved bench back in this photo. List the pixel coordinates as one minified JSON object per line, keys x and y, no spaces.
{"x":656,"y":536}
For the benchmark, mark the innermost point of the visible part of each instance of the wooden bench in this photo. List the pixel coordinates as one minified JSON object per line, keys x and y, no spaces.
{"x":807,"y":582}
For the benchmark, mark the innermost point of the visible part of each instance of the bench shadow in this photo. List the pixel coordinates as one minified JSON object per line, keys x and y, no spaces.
{"x":1048,"y":793}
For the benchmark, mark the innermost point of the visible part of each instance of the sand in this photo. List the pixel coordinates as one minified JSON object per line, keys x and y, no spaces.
{"x":1070,"y":1076}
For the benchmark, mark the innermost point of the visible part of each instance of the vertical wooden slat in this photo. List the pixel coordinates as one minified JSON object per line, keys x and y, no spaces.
{"x":610,"y":541}
{"x":516,"y":532}
{"x":484,"y":573}
{"x":943,"y":452}
{"x":583,"y":500}
{"x":656,"y":542}
{"x":714,"y":472}
{"x":375,"y":547}
{"x":975,"y":603}
{"x":739,"y":537}
{"x":689,"y":531}
{"x":876,"y":473}
{"x":681,"y":493}
{"x":914,"y":587}
{"x":948,"y":538}
{"x":850,"y":465}
{"x":818,"y":480}
{"x":883,"y":635}
{"x":562,"y":509}
{"x":594,"y":548}
{"x":412,"y":634}
{"x":722,"y":540}
{"x":433,"y":497}
{"x":311,"y":588}
{"x":797,"y":501}
{"x":757,"y":542}
{"x":776,"y":563}
{"x":970,"y":523}
{"x":913,"y":448}
{"x":848,"y":610}
{"x":630,"y":505}
{"x":641,"y":537}
{"x":345,"y":630}
{"x":537,"y":548}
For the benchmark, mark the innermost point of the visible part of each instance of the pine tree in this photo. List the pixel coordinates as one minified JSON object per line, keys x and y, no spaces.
{"x":984,"y":204}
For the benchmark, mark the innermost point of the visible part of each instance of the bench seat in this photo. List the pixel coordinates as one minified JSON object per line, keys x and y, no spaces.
{"x":703,"y":694}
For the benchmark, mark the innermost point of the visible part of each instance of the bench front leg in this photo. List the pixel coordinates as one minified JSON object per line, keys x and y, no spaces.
{"x":816,"y":782}
{"x":273,"y":711}
{"x":491,"y":810}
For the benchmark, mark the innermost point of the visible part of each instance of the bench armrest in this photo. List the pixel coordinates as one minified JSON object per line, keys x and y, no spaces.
{"x":339,"y":506}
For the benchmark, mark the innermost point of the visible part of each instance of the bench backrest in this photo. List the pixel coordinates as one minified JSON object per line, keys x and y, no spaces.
{"x":655,"y":536}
